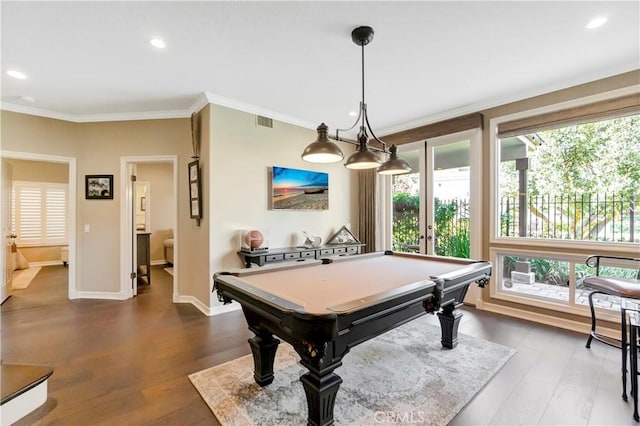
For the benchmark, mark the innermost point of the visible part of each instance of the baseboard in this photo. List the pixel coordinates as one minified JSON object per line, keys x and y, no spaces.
{"x":194,"y":301}
{"x":158,"y":262}
{"x":550,"y":320}
{"x":101,"y":295}
{"x":223,"y":309}
{"x":208,"y":311}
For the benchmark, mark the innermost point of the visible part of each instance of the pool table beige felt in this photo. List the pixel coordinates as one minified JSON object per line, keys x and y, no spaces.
{"x":348,"y":282}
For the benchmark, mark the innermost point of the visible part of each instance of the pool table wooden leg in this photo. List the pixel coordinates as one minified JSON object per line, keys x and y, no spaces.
{"x":320,"y":387}
{"x":263,"y":347}
{"x":449,"y":322}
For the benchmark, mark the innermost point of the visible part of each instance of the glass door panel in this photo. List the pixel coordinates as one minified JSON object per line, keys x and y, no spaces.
{"x":449,"y":197}
{"x":407,"y":203}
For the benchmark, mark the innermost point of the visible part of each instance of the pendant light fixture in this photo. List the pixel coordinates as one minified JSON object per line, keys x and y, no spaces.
{"x":322,"y":150}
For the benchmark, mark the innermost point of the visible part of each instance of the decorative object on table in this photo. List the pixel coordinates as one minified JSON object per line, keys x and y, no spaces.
{"x":311,"y":240}
{"x":253,"y":241}
{"x":343,"y":236}
{"x":294,"y":189}
{"x":195,"y":200}
{"x":322,"y":150}
{"x":99,"y":187}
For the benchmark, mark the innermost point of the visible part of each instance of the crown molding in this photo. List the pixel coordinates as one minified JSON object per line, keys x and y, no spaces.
{"x":94,"y":118}
{"x":200,"y":102}
{"x":254,"y":109}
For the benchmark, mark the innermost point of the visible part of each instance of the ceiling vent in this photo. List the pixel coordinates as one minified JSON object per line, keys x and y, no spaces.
{"x":264,"y":121}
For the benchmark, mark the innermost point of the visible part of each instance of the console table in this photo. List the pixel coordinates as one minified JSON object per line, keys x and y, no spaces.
{"x":144,"y":257}
{"x":299,"y":253}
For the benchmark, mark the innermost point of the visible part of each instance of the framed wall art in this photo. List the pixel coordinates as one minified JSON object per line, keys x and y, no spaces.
{"x":99,"y":187}
{"x":195,"y":198}
{"x":294,"y":189}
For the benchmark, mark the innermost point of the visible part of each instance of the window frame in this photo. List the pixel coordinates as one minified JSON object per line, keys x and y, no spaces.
{"x":566,"y":250}
{"x":494,"y":221}
{"x":43,"y":241}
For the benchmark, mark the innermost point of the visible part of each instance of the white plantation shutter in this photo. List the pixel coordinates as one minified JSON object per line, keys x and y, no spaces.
{"x":56,"y":214}
{"x":40,"y":213}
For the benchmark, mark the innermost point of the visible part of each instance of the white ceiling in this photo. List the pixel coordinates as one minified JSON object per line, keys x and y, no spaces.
{"x":295,"y":61}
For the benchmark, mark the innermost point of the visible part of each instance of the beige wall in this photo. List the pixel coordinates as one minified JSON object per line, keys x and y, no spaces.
{"x":39,"y":171}
{"x":159,"y":203}
{"x":194,"y":239}
{"x":97,"y":148}
{"x":241,"y":157}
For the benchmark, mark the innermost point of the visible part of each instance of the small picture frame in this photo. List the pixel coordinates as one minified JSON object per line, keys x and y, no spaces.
{"x":99,"y":187}
{"x":195,"y":200}
{"x":343,"y":236}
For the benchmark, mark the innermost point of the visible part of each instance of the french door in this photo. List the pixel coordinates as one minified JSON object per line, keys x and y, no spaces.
{"x":436,"y":208}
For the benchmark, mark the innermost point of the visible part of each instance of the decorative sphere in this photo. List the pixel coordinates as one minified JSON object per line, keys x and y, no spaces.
{"x":254,"y":239}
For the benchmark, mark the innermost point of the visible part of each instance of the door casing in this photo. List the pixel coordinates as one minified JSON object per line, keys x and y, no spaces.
{"x":475,"y":194}
{"x":71,"y":206}
{"x":127,"y":222}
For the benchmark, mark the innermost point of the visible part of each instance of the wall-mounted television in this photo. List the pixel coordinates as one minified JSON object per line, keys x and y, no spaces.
{"x":295,"y":189}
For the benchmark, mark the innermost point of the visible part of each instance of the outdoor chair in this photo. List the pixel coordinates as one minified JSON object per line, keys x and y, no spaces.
{"x":624,"y":288}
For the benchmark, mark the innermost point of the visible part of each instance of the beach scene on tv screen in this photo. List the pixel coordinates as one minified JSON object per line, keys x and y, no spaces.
{"x":295,"y":189}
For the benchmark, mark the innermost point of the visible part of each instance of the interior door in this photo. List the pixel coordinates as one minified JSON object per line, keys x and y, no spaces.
{"x":6,"y":259}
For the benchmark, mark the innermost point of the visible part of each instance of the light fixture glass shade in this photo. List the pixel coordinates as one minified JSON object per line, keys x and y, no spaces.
{"x":322,"y":150}
{"x":363,"y":158}
{"x":394,"y":165}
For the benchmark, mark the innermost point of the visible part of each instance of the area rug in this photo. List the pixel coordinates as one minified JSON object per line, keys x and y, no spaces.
{"x":402,"y":376}
{"x":23,"y":277}
{"x":169,"y":270}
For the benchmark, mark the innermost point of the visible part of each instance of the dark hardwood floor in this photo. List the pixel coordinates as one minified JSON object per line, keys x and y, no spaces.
{"x":126,"y":362}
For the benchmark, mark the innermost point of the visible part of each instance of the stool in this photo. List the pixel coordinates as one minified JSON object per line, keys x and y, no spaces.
{"x":625,"y":288}
{"x":634,"y":324}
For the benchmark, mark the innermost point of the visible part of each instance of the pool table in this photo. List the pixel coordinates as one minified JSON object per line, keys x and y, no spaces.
{"x":325,"y":307}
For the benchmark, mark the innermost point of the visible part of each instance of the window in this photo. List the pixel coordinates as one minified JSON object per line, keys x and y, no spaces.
{"x":567,"y":184}
{"x":39,"y":213}
{"x":578,"y":182}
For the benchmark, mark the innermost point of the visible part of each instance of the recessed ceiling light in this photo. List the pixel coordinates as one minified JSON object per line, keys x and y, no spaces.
{"x":158,"y":42}
{"x":16,"y":74}
{"x":597,"y":22}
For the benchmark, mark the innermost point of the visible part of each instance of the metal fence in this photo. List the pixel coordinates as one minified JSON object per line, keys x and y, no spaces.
{"x":451,"y":228}
{"x":585,"y":217}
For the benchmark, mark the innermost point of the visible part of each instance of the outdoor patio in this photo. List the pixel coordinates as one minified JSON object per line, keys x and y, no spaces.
{"x":561,"y":293}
